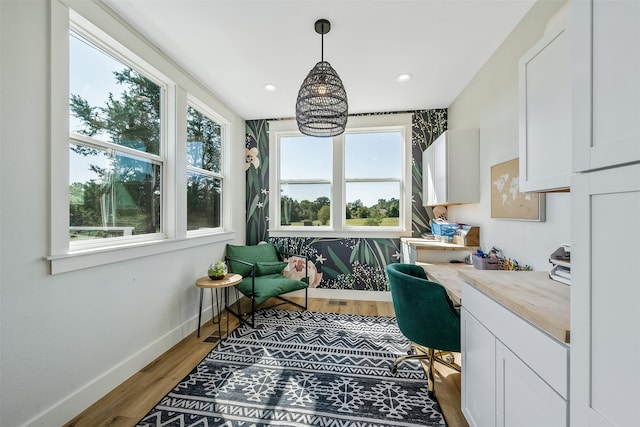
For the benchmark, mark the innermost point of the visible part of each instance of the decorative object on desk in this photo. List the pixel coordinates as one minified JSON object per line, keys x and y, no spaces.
{"x":303,"y":368}
{"x":217,"y":270}
{"x":467,"y":235}
{"x":440,"y":213}
{"x":560,"y":260}
{"x":495,"y":260}
{"x":507,"y":201}
{"x":440,"y":228}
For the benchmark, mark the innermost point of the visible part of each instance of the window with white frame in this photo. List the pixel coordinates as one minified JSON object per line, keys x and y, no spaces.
{"x":139,"y":150}
{"x":352,"y":184}
{"x":204,"y":170}
{"x":116,"y":156}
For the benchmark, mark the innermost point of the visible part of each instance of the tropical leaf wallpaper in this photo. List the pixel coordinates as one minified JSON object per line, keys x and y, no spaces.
{"x":338,"y":263}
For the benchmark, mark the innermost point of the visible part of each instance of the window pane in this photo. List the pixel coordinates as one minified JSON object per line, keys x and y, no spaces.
{"x":109,"y":101}
{"x":304,"y":157}
{"x":373,"y":204}
{"x":203,"y":201}
{"x":305,"y":204}
{"x":111,"y":194}
{"x":204,"y":141}
{"x":373,"y":155}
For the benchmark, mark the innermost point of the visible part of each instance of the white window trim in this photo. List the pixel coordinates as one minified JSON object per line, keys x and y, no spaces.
{"x":225,"y":125}
{"x":62,"y":258}
{"x":338,"y":228}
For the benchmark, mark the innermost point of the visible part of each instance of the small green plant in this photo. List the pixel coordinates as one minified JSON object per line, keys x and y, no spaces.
{"x":217,"y":270}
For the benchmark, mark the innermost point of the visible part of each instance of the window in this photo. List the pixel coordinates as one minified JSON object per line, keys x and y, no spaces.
{"x":305,"y":180}
{"x":354,"y":183}
{"x":373,"y":178}
{"x":116,"y":161}
{"x":204,"y":171}
{"x":139,"y":156}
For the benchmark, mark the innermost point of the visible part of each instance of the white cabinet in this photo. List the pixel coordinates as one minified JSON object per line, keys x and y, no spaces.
{"x":604,"y":272}
{"x":524,"y":399}
{"x":479,"y":375}
{"x":606,"y":83}
{"x":545,"y":109}
{"x":451,"y":169}
{"x":513,"y":373}
{"x":604,"y":298}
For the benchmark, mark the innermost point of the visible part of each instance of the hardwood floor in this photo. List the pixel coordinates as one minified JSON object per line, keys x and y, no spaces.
{"x":130,"y":401}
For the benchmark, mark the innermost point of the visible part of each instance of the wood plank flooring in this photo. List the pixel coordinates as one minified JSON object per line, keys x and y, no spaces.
{"x":130,"y":401}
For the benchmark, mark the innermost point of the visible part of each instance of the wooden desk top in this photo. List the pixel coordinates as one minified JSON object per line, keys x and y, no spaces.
{"x":447,"y":275}
{"x":529,"y":294}
{"x":230,"y":279}
{"x":424,"y":244}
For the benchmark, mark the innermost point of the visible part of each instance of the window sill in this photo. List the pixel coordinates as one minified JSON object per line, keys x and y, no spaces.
{"x":63,"y":263}
{"x":369,"y":233}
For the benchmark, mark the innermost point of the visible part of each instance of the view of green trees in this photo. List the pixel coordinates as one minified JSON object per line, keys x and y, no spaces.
{"x":383,"y":213}
{"x":126,"y":190}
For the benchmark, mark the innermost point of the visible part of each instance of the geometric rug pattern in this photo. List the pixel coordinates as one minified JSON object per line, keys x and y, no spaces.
{"x":303,"y":369}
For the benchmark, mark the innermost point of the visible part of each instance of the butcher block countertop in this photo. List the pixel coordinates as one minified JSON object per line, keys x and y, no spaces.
{"x":529,"y":294}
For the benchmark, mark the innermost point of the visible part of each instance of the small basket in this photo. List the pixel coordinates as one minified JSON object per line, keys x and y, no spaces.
{"x":485,"y":263}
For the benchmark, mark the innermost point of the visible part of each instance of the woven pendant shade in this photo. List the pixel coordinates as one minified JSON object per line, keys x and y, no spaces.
{"x":321,"y":107}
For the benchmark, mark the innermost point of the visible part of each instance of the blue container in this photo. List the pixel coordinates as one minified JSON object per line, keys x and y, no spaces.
{"x":444,"y":229}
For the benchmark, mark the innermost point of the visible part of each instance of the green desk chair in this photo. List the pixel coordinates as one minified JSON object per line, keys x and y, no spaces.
{"x":426,"y":316}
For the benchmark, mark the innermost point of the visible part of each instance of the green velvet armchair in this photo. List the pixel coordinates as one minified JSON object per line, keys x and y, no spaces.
{"x":264,"y":272}
{"x":426,"y":316}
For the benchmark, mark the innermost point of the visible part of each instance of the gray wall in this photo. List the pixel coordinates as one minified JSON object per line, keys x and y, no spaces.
{"x":490,"y":103}
{"x":68,"y":339}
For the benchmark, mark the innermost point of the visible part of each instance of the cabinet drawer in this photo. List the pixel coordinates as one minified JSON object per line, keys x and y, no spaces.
{"x":545,"y":355}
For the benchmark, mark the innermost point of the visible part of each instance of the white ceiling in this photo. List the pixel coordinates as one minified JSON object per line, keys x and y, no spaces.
{"x":235,"y":47}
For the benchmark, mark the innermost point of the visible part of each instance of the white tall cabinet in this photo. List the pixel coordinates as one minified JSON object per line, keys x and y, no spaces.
{"x":545,"y":109}
{"x":605,"y":289}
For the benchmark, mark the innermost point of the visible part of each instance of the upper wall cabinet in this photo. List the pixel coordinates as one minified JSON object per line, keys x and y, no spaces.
{"x":451,"y":169}
{"x":545,"y":109}
{"x":606,"y":78}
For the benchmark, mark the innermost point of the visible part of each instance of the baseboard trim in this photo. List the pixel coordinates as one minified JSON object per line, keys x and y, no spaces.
{"x":72,"y":405}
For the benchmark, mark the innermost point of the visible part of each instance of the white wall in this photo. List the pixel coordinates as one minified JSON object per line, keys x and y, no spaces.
{"x":68,"y":339}
{"x":490,"y":103}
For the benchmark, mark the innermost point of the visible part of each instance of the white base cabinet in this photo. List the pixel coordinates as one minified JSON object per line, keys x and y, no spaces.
{"x":513,"y":374}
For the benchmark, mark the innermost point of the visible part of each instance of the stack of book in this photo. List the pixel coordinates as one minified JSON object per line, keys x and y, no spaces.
{"x":560,"y":260}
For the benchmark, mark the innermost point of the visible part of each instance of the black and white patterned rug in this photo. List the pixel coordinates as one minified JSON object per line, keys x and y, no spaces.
{"x":303,"y":369}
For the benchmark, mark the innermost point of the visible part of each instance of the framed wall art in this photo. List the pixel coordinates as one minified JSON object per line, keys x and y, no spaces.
{"x":507,"y":201}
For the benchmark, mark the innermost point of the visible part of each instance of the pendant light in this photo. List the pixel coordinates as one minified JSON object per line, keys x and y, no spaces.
{"x":321,"y":108}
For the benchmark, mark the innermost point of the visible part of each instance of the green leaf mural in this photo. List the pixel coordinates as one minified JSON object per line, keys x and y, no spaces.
{"x":342,"y":263}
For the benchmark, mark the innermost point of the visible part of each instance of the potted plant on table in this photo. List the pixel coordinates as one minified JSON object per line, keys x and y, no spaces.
{"x":217,"y":270}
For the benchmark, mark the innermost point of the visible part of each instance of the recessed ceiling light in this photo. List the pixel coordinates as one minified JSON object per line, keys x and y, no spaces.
{"x":404,"y":77}
{"x":269,"y":87}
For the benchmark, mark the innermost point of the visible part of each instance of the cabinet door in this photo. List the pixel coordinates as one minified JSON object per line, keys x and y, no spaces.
{"x":545,"y":112}
{"x":441,"y":177}
{"x":478,"y":374}
{"x":606,"y":83}
{"x":428,"y":176}
{"x":605,"y":291}
{"x":523,"y":399}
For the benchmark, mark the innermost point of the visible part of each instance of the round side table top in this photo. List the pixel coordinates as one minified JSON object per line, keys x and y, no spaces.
{"x":230,"y":279}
